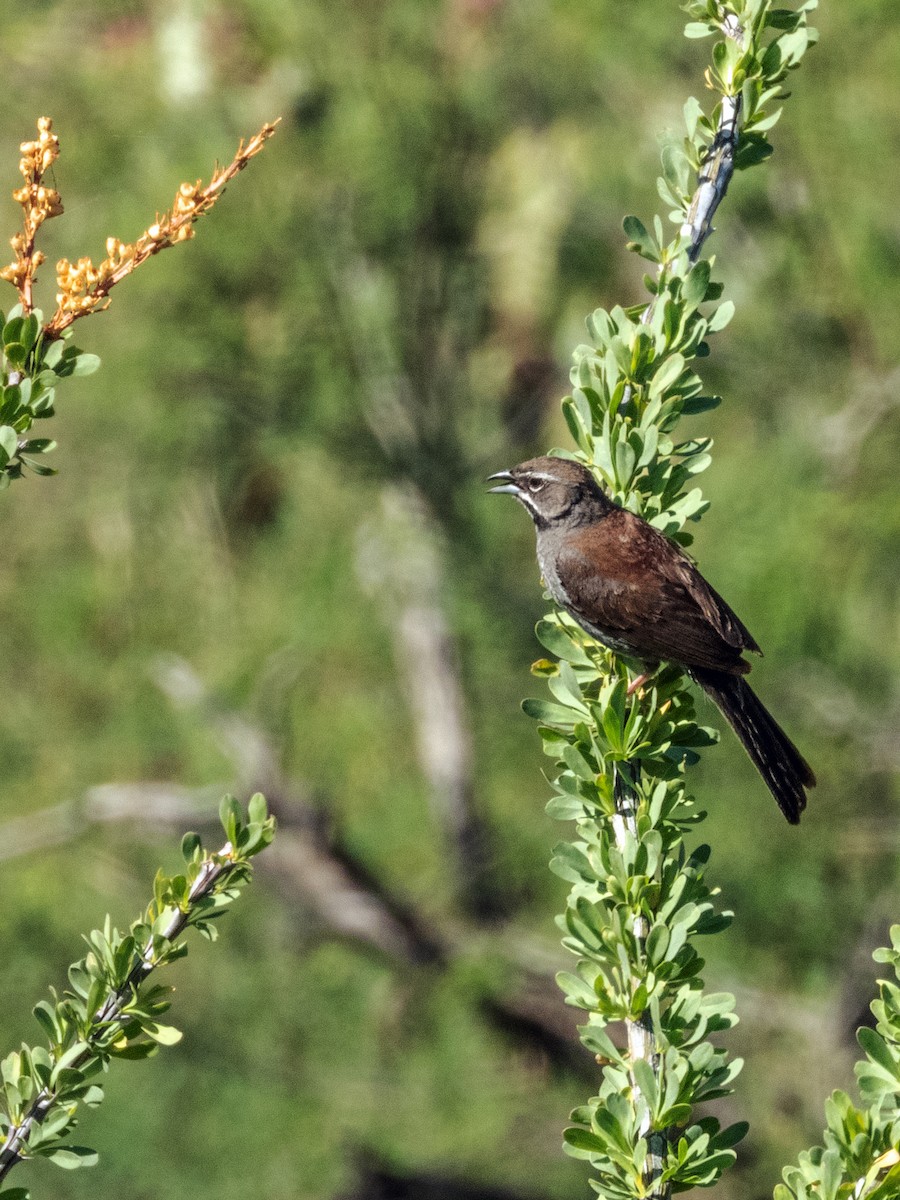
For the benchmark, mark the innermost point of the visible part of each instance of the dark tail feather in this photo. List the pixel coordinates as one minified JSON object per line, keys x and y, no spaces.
{"x":784,"y":769}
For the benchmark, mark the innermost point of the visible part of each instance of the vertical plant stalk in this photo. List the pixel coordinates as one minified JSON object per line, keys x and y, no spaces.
{"x":642,"y":1042}
{"x":639,"y":898}
{"x":713,"y":179}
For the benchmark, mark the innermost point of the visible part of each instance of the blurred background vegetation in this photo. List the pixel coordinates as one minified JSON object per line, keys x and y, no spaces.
{"x":268,"y":561}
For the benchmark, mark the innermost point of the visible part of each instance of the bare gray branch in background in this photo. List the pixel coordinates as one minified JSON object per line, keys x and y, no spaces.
{"x":399,"y":559}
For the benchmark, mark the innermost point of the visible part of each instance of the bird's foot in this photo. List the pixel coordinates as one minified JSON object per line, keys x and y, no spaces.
{"x":636,"y":684}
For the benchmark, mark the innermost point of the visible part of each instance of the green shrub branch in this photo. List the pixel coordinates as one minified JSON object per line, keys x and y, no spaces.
{"x":860,"y":1157}
{"x":109,"y":1010}
{"x":640,"y":898}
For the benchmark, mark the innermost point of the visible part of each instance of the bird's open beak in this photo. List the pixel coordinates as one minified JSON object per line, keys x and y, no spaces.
{"x":509,"y":487}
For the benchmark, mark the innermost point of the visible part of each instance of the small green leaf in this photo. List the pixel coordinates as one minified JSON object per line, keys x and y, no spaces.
{"x":639,"y":240}
{"x":165,"y":1035}
{"x":29,"y":331}
{"x":666,"y":375}
{"x":625,"y":460}
{"x":12,"y":330}
{"x":577,"y":991}
{"x":558,"y":641}
{"x":86,"y":364}
{"x":71,"y":1157}
{"x":230,"y":816}
{"x":768,"y":122}
{"x":134,"y":1050}
{"x":694,"y":288}
{"x":544,"y":668}
{"x":646,"y":1080}
{"x":55,"y":1123}
{"x":570,"y":863}
{"x":39,"y":468}
{"x":53,"y":353}
{"x":549,"y":713}
{"x":721,"y":316}
{"x":9,"y":444}
{"x":752,"y":149}
{"x":256,"y":809}
{"x":700,"y":404}
{"x":657,"y":944}
{"x":584,"y":1140}
{"x":45,"y":1013}
{"x":577,"y":428}
{"x":39,"y":446}
{"x":190,"y":846}
{"x":693,"y":112}
{"x":564,"y":808}
{"x":732,"y":1135}
{"x":676,"y":167}
{"x":878,"y":1050}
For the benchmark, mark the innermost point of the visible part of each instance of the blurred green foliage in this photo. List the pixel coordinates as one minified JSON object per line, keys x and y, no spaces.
{"x":389,"y":298}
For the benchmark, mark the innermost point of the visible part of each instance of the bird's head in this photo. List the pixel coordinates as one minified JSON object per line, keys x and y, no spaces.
{"x":554,"y":490}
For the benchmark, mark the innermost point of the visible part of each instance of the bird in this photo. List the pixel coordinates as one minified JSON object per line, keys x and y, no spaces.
{"x":638,"y":593}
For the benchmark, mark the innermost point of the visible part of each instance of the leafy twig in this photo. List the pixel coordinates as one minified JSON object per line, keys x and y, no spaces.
{"x":85,"y":289}
{"x":860,"y":1158}
{"x":108,"y":1012}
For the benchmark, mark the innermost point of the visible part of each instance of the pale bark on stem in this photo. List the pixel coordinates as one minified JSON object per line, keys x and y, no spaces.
{"x":717,"y":167}
{"x":210,"y":873}
{"x":715,"y":175}
{"x":642,"y":1043}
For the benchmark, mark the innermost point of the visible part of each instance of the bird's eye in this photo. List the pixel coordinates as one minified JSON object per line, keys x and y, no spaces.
{"x":535,"y":485}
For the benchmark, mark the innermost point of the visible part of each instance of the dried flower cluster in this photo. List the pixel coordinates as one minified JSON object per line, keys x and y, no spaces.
{"x":39,"y":203}
{"x":83,"y":287}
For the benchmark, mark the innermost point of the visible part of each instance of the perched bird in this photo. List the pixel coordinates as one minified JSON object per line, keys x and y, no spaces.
{"x":639,"y":594}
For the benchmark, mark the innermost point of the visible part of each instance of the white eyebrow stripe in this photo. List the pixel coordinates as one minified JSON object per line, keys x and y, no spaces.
{"x":544,"y":476}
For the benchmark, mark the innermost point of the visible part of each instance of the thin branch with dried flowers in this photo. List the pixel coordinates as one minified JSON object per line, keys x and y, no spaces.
{"x":85,"y":288}
{"x":37,"y":356}
{"x":39,"y":203}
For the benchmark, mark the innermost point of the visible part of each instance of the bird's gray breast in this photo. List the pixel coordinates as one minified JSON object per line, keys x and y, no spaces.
{"x":548,"y":554}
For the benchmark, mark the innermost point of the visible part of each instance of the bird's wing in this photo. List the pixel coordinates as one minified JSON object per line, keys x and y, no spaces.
{"x":627,"y":580}
{"x":684,"y":574}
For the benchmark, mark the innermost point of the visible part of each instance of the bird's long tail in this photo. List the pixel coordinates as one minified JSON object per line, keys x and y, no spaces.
{"x":785,"y":771}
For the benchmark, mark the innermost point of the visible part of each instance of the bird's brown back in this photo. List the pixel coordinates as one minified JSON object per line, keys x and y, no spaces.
{"x":627,"y":581}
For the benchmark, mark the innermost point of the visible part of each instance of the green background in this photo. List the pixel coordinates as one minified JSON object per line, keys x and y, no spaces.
{"x":293,"y":420}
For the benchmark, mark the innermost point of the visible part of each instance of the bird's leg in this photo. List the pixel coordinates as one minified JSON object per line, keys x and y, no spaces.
{"x":650,"y":669}
{"x":637,"y":683}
